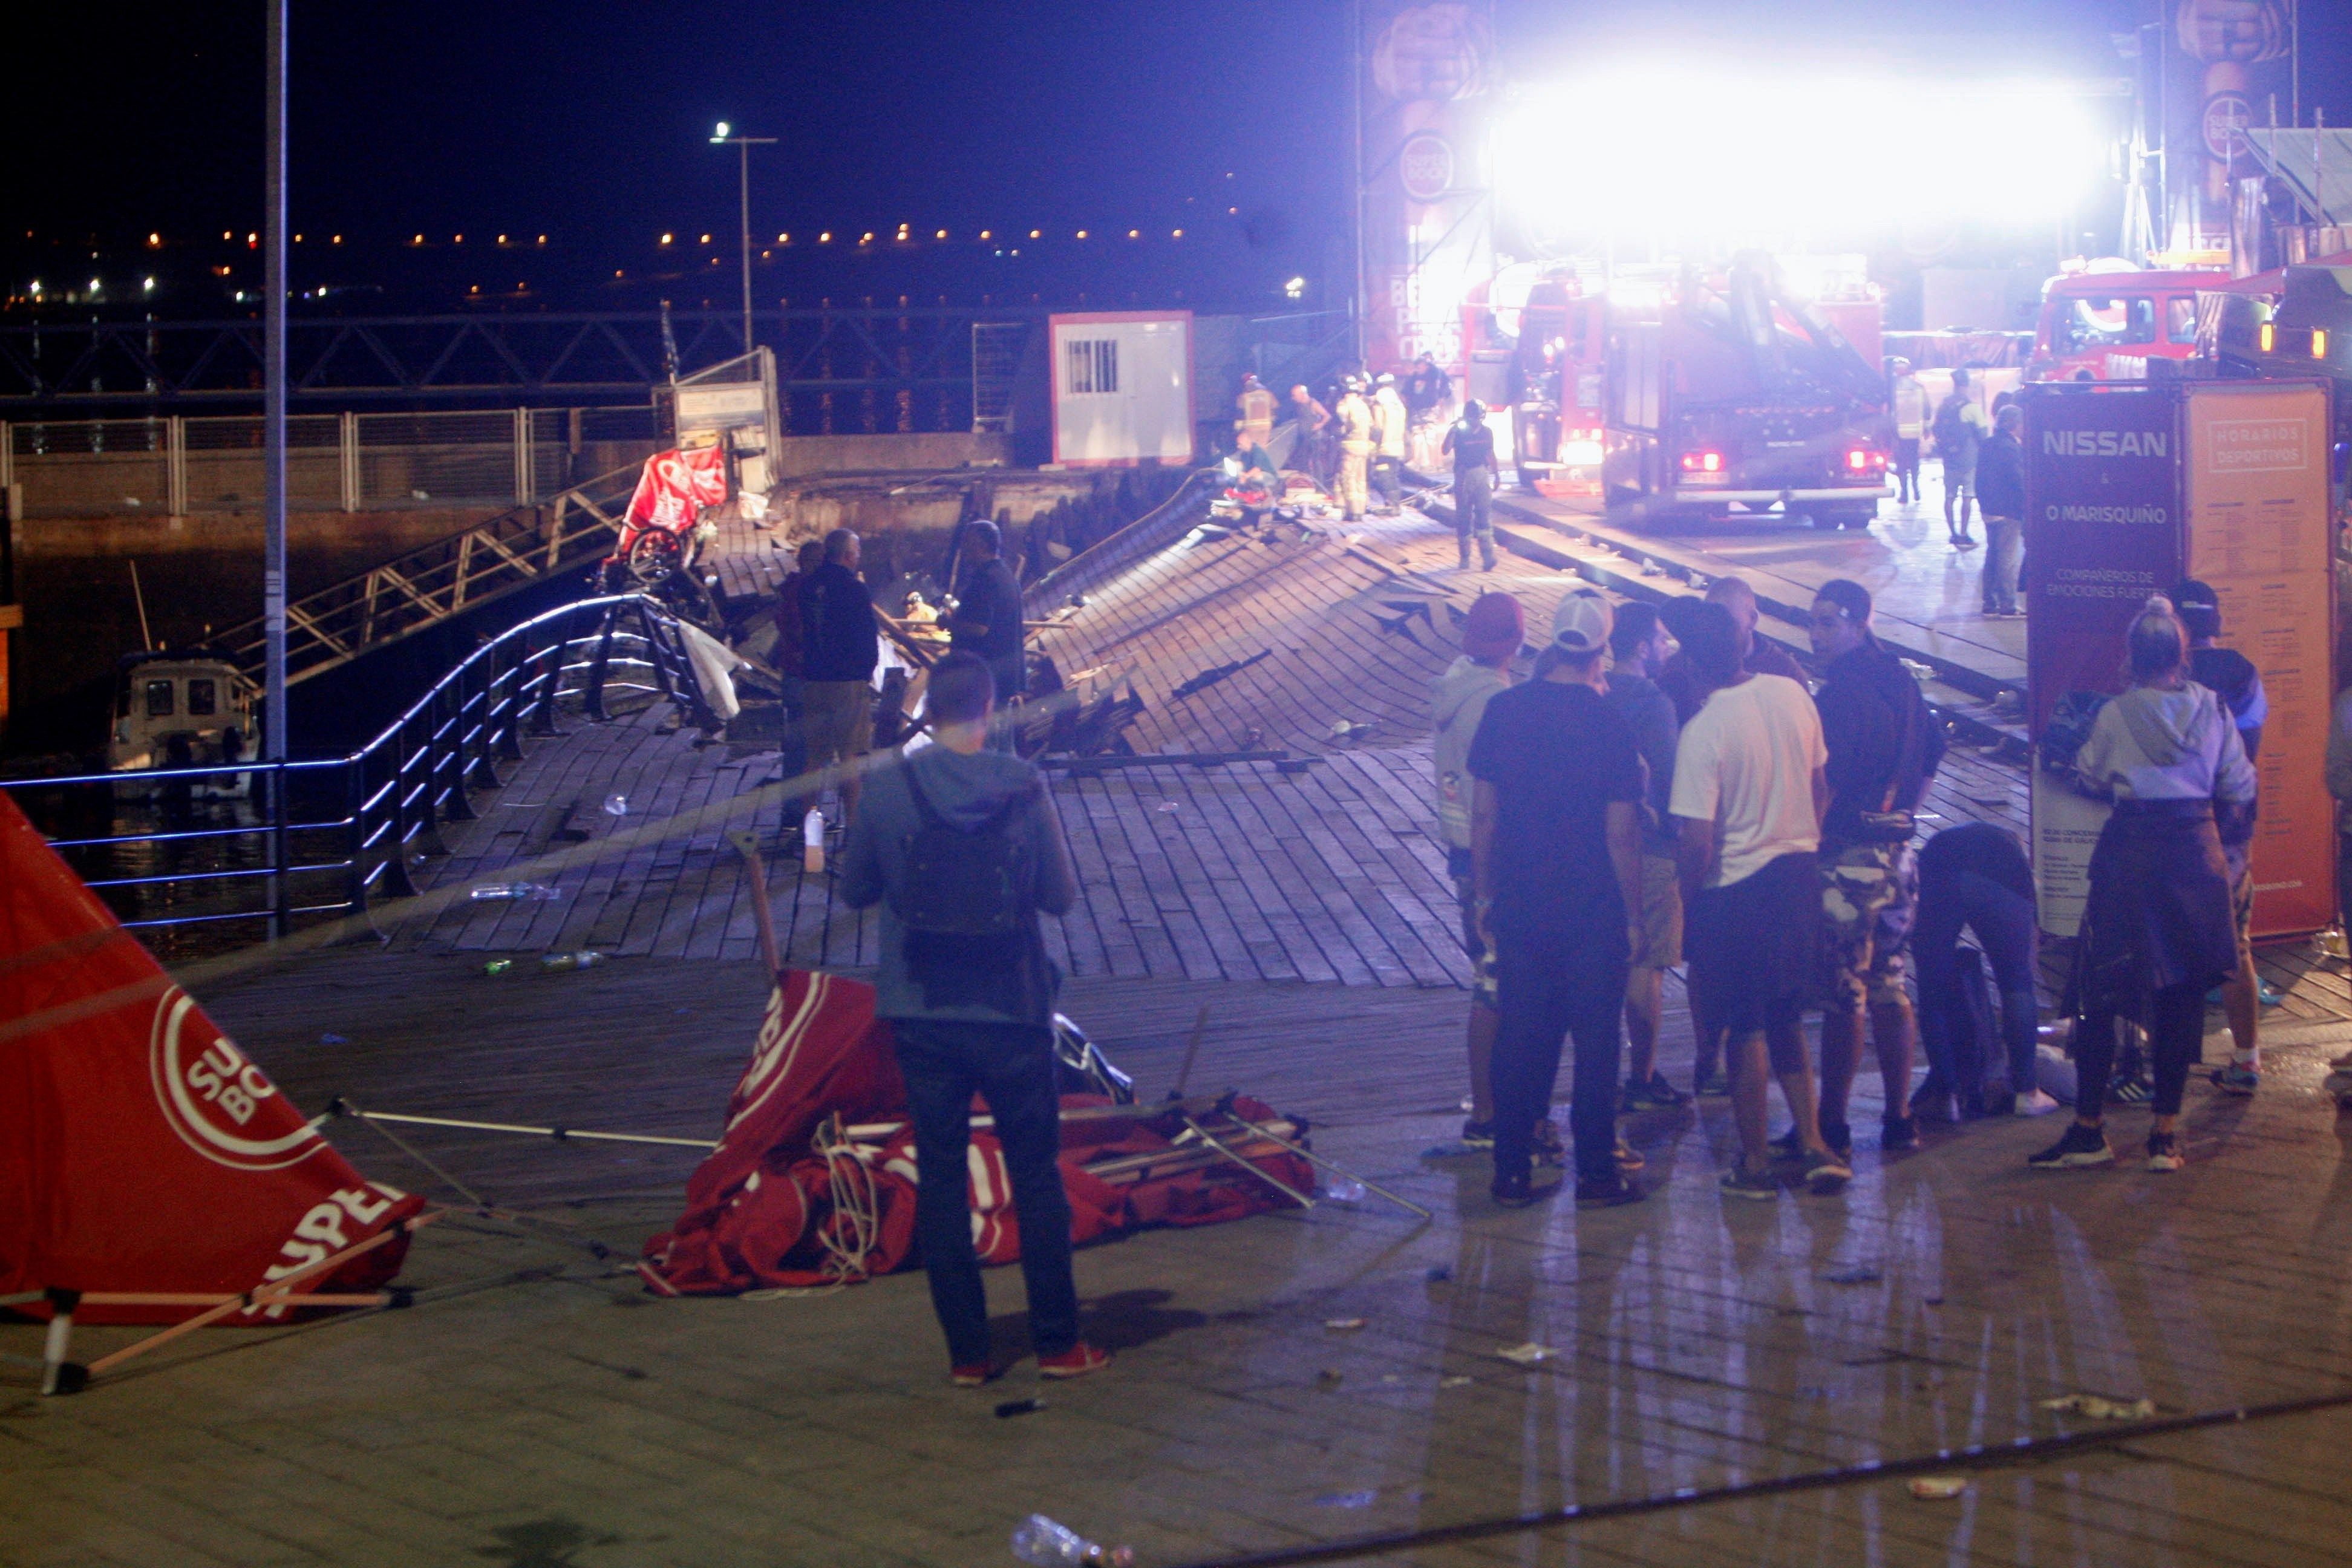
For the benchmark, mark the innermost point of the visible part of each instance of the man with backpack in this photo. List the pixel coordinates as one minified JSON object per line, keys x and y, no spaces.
{"x":960,"y":847}
{"x":1959,"y":429}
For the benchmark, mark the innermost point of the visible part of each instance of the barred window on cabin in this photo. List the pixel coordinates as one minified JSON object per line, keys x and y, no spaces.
{"x":1092,"y":365}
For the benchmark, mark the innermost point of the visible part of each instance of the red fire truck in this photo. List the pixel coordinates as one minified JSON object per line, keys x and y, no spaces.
{"x":1734,"y":390}
{"x":2107,"y":326}
{"x":1532,"y":340}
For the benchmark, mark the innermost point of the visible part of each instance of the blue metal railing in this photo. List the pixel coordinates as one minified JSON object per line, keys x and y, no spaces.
{"x":327,"y":835}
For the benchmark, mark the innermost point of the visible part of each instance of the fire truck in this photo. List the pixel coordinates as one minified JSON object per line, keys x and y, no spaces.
{"x":1532,"y":340}
{"x":2107,"y":326}
{"x":1735,"y":391}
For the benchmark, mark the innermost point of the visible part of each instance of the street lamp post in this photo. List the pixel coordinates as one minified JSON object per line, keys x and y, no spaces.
{"x":743,"y":145}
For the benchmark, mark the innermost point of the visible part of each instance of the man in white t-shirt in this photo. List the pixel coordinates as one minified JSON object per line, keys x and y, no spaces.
{"x":1747,"y":801}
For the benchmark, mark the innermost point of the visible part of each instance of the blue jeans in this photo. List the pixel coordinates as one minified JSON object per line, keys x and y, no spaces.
{"x":2002,"y":922}
{"x":1544,"y":993}
{"x":1012,"y":1066}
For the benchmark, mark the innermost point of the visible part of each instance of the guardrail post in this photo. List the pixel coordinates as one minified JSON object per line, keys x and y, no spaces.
{"x":354,"y":800}
{"x":600,"y":664}
{"x":281,"y":878}
{"x":347,"y":451}
{"x":451,"y":758}
{"x":481,"y":769}
{"x":176,"y":465}
{"x":543,"y":703}
{"x":510,"y":726}
{"x":523,"y":486}
{"x":396,"y":881}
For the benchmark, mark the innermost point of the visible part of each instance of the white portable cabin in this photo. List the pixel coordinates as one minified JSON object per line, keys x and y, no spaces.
{"x":1122,"y":385}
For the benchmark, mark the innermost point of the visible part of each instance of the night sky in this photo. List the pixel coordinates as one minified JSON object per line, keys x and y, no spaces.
{"x":588,"y":122}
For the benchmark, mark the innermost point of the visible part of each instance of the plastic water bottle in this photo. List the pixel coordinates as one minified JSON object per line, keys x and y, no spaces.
{"x":584,"y":958}
{"x":616,"y":806}
{"x":1044,"y":1543}
{"x":517,"y":892}
{"x":813,"y":843}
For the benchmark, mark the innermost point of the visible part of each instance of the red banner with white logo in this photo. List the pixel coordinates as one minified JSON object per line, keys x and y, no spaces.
{"x":140,"y":1150}
{"x":676,"y":485}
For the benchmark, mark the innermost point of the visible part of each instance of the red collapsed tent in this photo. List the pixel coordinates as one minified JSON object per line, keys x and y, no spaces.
{"x":148,"y":1167}
{"x":812,"y":1182}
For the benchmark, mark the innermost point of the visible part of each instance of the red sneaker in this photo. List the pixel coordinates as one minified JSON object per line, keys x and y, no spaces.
{"x":1076,"y":1361}
{"x":971,"y":1376}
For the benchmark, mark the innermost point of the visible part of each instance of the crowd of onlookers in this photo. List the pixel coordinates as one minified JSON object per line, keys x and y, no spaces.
{"x":1668,"y":790}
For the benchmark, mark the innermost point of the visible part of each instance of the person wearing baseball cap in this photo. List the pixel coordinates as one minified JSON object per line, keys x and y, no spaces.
{"x":1556,"y":863}
{"x":1491,"y":638}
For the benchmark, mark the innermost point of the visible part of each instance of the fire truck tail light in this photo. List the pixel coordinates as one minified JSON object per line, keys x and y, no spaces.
{"x":1861,"y":459}
{"x":2318,"y":342}
{"x":1702,"y":462}
{"x":2270,"y":337}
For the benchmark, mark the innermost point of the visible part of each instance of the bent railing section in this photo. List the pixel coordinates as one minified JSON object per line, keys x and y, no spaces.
{"x":238,"y":850}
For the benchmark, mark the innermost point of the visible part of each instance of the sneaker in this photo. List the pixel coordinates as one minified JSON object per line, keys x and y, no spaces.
{"x":1609,"y":1191}
{"x":1964,"y":542}
{"x":1654,"y":1093}
{"x":2237,"y":1079}
{"x":2037,"y":1103}
{"x":1998,"y":1100}
{"x":1898,"y":1134}
{"x":972,"y":1376}
{"x":1788,"y":1148}
{"x":2163,"y":1151}
{"x":2081,"y":1146}
{"x":1628,"y":1158}
{"x":1827,"y":1172}
{"x":1519,"y":1192}
{"x":1477,"y":1135}
{"x":1716,"y":1086}
{"x":1549,"y":1150}
{"x":2132,"y":1091}
{"x":1076,"y":1361}
{"x":1740,"y":1182}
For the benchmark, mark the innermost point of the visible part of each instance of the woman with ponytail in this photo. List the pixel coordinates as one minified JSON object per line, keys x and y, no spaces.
{"x":2158,"y":931}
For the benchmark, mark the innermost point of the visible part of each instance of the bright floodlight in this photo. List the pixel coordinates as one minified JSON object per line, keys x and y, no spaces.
{"x":720,"y":135}
{"x":1743,"y":158}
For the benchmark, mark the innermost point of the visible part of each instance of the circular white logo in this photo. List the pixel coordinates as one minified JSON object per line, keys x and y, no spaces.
{"x":1425,"y":165}
{"x":215,"y":1098}
{"x":2227,"y":115}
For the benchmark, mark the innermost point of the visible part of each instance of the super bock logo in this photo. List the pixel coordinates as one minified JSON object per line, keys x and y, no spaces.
{"x":216,"y":1098}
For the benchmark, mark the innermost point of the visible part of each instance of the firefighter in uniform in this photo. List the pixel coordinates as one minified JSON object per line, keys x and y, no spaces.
{"x":1356,"y":443}
{"x":1255,"y":427}
{"x":1389,"y":421}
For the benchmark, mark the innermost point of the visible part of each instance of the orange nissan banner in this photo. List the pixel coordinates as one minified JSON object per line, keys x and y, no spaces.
{"x":2257,"y":499}
{"x":140,"y":1150}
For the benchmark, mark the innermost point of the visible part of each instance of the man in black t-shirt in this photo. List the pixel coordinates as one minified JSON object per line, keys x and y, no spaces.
{"x":1556,"y":852}
{"x":1472,"y":447}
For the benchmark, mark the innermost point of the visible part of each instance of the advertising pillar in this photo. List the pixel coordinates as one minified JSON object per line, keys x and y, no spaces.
{"x":2103,"y":532}
{"x":2227,"y":69}
{"x":2258,"y":533}
{"x":1425,"y":214}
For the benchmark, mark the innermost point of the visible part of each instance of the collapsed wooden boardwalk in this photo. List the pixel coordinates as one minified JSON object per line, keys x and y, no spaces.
{"x":1225,"y":872}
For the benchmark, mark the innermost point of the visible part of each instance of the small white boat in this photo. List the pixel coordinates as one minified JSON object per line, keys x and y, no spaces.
{"x":181,"y":709}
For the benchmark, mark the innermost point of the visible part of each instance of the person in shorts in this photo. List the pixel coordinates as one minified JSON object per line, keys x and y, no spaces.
{"x":1638,"y":646}
{"x":1884,"y":747}
{"x":1748,"y":778}
{"x":1490,"y":637}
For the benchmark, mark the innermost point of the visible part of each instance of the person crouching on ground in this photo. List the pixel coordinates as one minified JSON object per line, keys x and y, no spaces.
{"x":2157,"y":928}
{"x":1556,"y":850}
{"x":1748,"y":800}
{"x":1490,"y":639}
{"x":960,"y":847}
